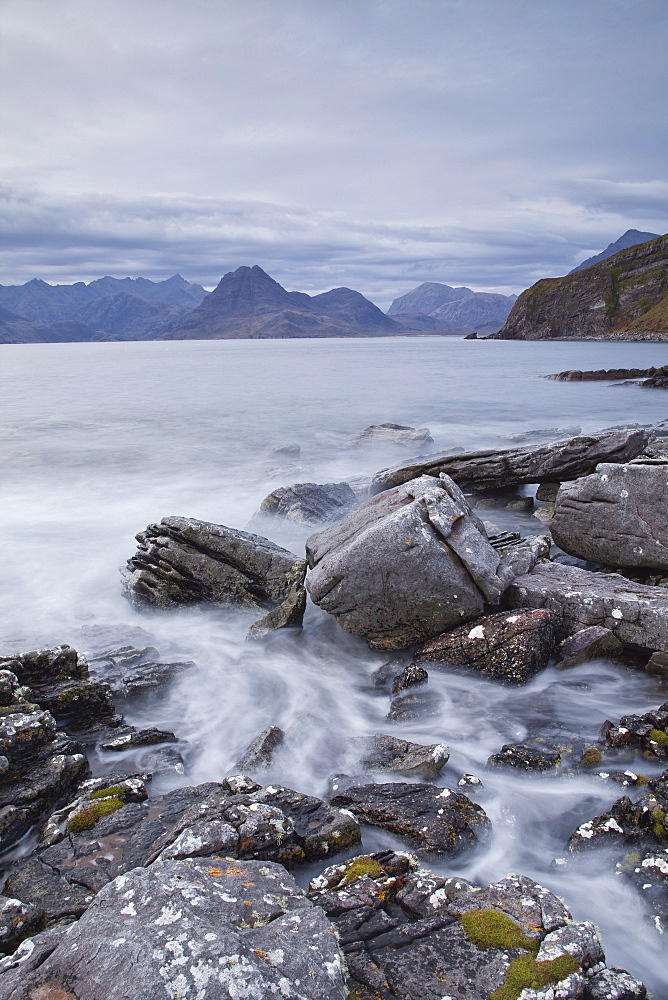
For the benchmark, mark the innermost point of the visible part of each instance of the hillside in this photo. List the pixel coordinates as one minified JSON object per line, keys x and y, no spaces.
{"x":16,"y":329}
{"x":249,"y":304}
{"x":631,"y":238}
{"x":433,"y":305}
{"x":624,"y":297}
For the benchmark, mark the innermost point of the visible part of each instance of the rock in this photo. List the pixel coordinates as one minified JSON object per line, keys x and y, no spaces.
{"x":132,"y":738}
{"x":193,"y":929}
{"x":184,"y":561}
{"x":522,"y":504}
{"x":431,"y":818}
{"x":131,"y":670}
{"x":588,"y":644}
{"x":260,"y":752}
{"x":615,"y":984}
{"x":364,"y":569}
{"x":394,"y":434}
{"x":292,"y":449}
{"x":410,"y":705}
{"x":617,"y":516}
{"x":469,"y":781}
{"x":604,"y":374}
{"x":289,"y":614}
{"x":534,"y":908}
{"x":493,"y":468}
{"x":17,"y":920}
{"x":545,"y":512}
{"x":409,"y":677}
{"x":640,"y":824}
{"x":307,"y":503}
{"x":578,"y":598}
{"x":649,"y":873}
{"x":658,"y":664}
{"x":546,"y":434}
{"x":272,"y":823}
{"x":648,"y":732}
{"x":547,"y":491}
{"x":510,"y":647}
{"x":525,"y":757}
{"x":387,"y":753}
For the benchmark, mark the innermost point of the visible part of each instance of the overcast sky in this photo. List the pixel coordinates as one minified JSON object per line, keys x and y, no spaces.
{"x":369,"y":143}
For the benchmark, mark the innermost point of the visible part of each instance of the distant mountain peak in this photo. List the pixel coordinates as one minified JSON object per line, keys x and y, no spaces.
{"x":446,"y":306}
{"x":631,"y":238}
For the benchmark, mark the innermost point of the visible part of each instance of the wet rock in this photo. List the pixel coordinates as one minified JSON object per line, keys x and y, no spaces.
{"x":259,"y":753}
{"x":588,"y":644}
{"x":383,"y":678}
{"x":307,"y":503}
{"x":430,"y":818}
{"x":272,"y":823}
{"x":547,"y":491}
{"x":658,"y":664}
{"x":510,"y":647}
{"x":192,"y":928}
{"x":387,"y":753}
{"x":469,"y":781}
{"x":17,"y":920}
{"x":291,"y":449}
{"x":617,"y":516}
{"x":604,"y":374}
{"x":289,"y":614}
{"x":525,"y":757}
{"x":130,"y":670}
{"x":393,"y":434}
{"x":649,"y":874}
{"x":578,"y":598}
{"x":546,"y":434}
{"x":648,"y":732}
{"x":364,"y":569}
{"x":493,"y":469}
{"x":132,"y":738}
{"x":409,"y":677}
{"x":420,"y":704}
{"x":627,"y":824}
{"x":184,"y":561}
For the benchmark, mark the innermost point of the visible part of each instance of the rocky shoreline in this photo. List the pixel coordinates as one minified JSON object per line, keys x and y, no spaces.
{"x":111,"y":889}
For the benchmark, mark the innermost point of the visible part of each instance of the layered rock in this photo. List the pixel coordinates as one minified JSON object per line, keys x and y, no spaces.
{"x":617,"y":516}
{"x":495,"y":469}
{"x":185,"y":561}
{"x":307,"y":503}
{"x":406,"y":565}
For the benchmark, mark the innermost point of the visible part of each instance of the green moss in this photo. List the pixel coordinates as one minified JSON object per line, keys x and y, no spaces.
{"x":591,"y":757}
{"x":525,"y":972}
{"x":493,"y":929}
{"x":630,"y":861}
{"x":645,"y":303}
{"x":87,"y":818}
{"x":104,"y":793}
{"x":658,"y":736}
{"x":659,"y":824}
{"x":359,"y":867}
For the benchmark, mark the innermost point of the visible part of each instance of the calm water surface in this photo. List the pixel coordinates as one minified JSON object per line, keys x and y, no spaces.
{"x":99,"y":440}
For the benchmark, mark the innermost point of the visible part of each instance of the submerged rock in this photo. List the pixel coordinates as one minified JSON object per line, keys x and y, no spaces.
{"x":578,"y":598}
{"x":510,"y":647}
{"x":525,"y":757}
{"x":648,"y":732}
{"x":617,"y":516}
{"x":307,"y":503}
{"x":405,"y":565}
{"x":628,"y":824}
{"x":184,"y":561}
{"x":260,"y":751}
{"x":395,"y":434}
{"x":192,"y":929}
{"x":388,"y":753}
{"x":497,"y":468}
{"x":430,"y":818}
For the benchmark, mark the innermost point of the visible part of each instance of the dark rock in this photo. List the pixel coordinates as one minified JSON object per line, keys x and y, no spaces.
{"x":383,"y":677}
{"x":649,"y":874}
{"x":260,"y":752}
{"x":409,"y":677}
{"x":387,"y":753}
{"x":364,"y":570}
{"x":394,"y":434}
{"x":616,"y":516}
{"x":604,"y":374}
{"x":493,"y":468}
{"x":307,"y":503}
{"x":289,"y":614}
{"x":418,"y":704}
{"x":131,"y":738}
{"x":240,"y":925}
{"x":640,"y":824}
{"x":524,"y":757}
{"x":510,"y":647}
{"x":184,"y":561}
{"x":588,"y":644}
{"x":522,"y":504}
{"x":547,"y":491}
{"x":271,"y":823}
{"x":578,"y":598}
{"x":546,"y":434}
{"x":658,"y":664}
{"x":648,"y":732}
{"x":17,"y":920}
{"x":431,"y":818}
{"x":131,"y":670}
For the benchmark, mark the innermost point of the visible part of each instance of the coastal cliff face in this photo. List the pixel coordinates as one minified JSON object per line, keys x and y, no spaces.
{"x":623,"y":298}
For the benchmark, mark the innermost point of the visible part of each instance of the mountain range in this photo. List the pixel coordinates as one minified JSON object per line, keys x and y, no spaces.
{"x":433,"y":306}
{"x":631,"y":238}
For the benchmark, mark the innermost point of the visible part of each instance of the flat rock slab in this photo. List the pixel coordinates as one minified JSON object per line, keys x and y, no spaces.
{"x":430,"y":818}
{"x":192,"y":929}
{"x":493,"y":468}
{"x":307,"y":503}
{"x":578,"y":598}
{"x":393,"y":434}
{"x":185,"y":561}
{"x":617,"y":516}
{"x":388,"y":753}
{"x":509,"y":647}
{"x":406,"y":565}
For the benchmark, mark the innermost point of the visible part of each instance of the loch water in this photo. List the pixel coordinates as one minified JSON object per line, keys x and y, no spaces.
{"x":99,"y":440}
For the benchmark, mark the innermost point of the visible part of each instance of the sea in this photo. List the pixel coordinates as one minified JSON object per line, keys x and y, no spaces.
{"x":98,"y":440}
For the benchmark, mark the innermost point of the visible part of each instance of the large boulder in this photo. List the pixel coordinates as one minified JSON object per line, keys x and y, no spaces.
{"x":192,"y":929}
{"x":493,"y":468}
{"x":509,"y":647}
{"x":617,"y":516}
{"x":406,"y":565}
{"x":184,"y":561}
{"x":635,"y":613}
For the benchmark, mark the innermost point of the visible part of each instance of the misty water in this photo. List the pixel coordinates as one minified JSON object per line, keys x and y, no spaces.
{"x":99,"y":440}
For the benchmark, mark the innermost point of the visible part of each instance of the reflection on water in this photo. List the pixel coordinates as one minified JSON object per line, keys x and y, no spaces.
{"x":99,"y":440}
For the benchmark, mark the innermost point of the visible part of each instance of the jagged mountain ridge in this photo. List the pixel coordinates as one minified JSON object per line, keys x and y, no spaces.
{"x":448,"y":306}
{"x":631,"y":238}
{"x":18,"y":330}
{"x":624,"y":297}
{"x":249,"y":304}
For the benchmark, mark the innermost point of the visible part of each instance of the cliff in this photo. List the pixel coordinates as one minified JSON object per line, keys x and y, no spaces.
{"x":622,"y":298}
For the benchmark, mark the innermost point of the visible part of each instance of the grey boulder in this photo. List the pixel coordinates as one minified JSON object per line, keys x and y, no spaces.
{"x":307,"y":503}
{"x":191,"y":928}
{"x":184,"y":561}
{"x":388,"y":753}
{"x":617,"y":516}
{"x":393,"y":434}
{"x":406,"y":565}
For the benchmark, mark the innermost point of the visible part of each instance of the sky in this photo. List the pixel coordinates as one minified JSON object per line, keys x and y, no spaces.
{"x":375,"y":144}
